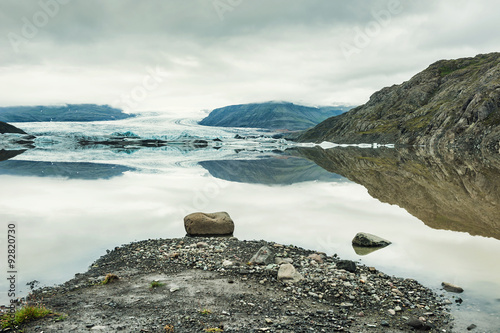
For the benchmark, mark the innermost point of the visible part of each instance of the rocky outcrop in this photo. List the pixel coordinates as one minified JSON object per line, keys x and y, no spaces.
{"x":213,"y":224}
{"x":8,"y":128}
{"x":271,"y":115}
{"x":452,"y":102}
{"x":452,"y":190}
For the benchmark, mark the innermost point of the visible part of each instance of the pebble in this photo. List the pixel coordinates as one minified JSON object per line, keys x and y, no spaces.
{"x":316,"y":257}
{"x":99,"y":328}
{"x":471,"y":327}
{"x":227,"y":263}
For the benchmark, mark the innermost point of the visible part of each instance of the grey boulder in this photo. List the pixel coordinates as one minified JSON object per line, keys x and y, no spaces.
{"x":288,"y":273}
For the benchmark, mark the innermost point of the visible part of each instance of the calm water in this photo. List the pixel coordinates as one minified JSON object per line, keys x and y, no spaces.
{"x":440,"y":211}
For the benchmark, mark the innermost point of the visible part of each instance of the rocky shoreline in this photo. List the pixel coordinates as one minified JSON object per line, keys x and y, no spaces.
{"x":211,"y":285}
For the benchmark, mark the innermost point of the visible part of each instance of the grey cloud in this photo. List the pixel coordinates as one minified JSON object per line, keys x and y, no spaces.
{"x":261,"y":49}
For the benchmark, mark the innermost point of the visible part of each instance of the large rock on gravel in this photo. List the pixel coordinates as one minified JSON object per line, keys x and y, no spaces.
{"x":288,"y":273}
{"x":209,"y":224}
{"x":365,"y":239}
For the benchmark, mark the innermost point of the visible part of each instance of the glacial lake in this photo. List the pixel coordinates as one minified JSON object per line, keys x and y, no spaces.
{"x":72,"y":203}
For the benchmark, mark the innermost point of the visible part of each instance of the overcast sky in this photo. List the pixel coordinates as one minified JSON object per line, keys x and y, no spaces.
{"x":183,"y":56}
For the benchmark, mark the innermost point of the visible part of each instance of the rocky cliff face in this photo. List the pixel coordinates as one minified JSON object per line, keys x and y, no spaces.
{"x":452,"y":102}
{"x":446,"y":190}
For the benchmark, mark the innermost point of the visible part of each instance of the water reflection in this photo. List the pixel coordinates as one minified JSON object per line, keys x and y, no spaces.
{"x":8,"y":154}
{"x":71,"y":170}
{"x":452,"y":191}
{"x":282,"y":170}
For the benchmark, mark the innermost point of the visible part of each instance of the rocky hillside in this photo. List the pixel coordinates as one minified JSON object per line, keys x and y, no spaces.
{"x":452,"y":102}
{"x":7,"y":128}
{"x":271,"y":115}
{"x":69,"y":112}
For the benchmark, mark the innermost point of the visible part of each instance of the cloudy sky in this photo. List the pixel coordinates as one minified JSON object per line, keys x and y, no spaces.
{"x":184,"y":56}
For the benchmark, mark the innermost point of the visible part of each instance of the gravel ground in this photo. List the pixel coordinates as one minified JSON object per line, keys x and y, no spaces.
{"x":212,"y":285}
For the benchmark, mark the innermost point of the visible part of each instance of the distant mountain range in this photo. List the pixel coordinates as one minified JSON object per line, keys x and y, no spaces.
{"x":69,"y":112}
{"x":8,"y":128}
{"x":452,"y":102}
{"x":271,"y":115}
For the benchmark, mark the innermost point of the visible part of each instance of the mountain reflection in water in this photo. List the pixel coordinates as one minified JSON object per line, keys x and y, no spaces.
{"x":70,"y":170}
{"x":455,"y":191}
{"x":281,"y":170}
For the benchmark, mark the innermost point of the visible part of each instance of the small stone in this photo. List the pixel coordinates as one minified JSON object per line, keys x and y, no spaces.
{"x":316,"y":257}
{"x":346,"y":305}
{"x":397,"y":308}
{"x":174,"y":288}
{"x":384,"y":323}
{"x":263,"y":256}
{"x":99,"y":328}
{"x":280,"y":261}
{"x":392,"y":312}
{"x":288,"y":273}
{"x":418,"y":324}
{"x":471,"y":327}
{"x":347,"y":265}
{"x":201,"y":244}
{"x":451,"y":287}
{"x":227,"y":263}
{"x":397,"y":292}
{"x":268,"y":321}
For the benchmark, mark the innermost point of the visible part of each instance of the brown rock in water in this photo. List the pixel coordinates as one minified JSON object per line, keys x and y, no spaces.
{"x":368,"y":240}
{"x":451,"y":287}
{"x":209,"y":224}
